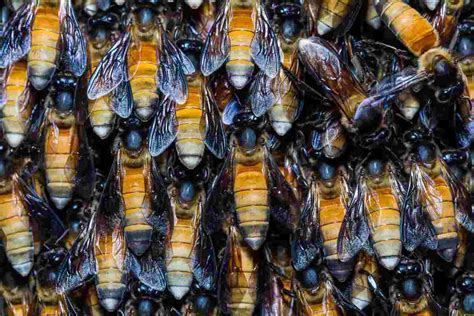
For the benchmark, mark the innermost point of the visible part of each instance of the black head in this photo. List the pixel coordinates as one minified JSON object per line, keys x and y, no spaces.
{"x":408,"y":268}
{"x":144,"y":291}
{"x":375,"y":167}
{"x":48,"y":264}
{"x":133,"y":140}
{"x":408,"y":273}
{"x":444,"y":71}
{"x":100,"y":26}
{"x":455,"y":157}
{"x":248,"y":129}
{"x":465,"y":283}
{"x":426,"y":153}
{"x":309,"y":278}
{"x":203,"y":304}
{"x":192,"y":48}
{"x":65,"y":89}
{"x":326,"y":170}
{"x":145,"y":15}
{"x":289,"y":15}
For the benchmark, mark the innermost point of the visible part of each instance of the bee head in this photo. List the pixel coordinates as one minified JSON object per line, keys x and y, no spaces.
{"x":408,"y":273}
{"x":290,"y":26}
{"x":65,"y":89}
{"x":203,"y":304}
{"x":326,"y":170}
{"x":310,"y":278}
{"x":192,"y":48}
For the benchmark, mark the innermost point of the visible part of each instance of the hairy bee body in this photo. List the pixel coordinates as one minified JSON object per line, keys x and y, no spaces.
{"x":241,"y":32}
{"x":251,"y":197}
{"x":142,"y":68}
{"x":16,"y":228}
{"x":17,"y":108}
{"x":361,"y":293}
{"x":61,"y":157}
{"x":191,"y":125}
{"x":332,"y":14}
{"x":44,"y":52}
{"x":137,"y":206}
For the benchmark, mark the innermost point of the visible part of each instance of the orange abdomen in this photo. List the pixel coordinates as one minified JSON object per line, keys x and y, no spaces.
{"x":241,"y":30}
{"x":361,"y":293}
{"x":322,"y":304}
{"x":332,"y":13}
{"x":142,"y":68}
{"x":51,"y":310}
{"x":44,"y":52}
{"x":384,"y":221}
{"x":191,"y":126}
{"x":61,"y":158}
{"x":251,"y":203}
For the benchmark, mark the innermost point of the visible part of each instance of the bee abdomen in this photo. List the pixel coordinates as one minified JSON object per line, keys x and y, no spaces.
{"x":179,"y":266}
{"x":283,"y":113}
{"x":101,"y":116}
{"x":332,"y":13}
{"x":240,"y":65}
{"x":44,"y":47}
{"x":190,"y":137}
{"x":361,"y":295}
{"x":110,"y":289}
{"x":51,"y":310}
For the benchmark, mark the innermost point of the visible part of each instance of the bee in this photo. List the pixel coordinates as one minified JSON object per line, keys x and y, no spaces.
{"x":436,"y":203}
{"x":445,"y":20}
{"x":16,"y":292}
{"x":17,"y":101}
{"x":101,"y":28}
{"x":336,"y":16}
{"x":250,"y":186}
{"x":365,"y":272}
{"x":143,"y":300}
{"x":193,"y":125}
{"x":411,"y":290}
{"x":138,"y":63}
{"x":199,"y":303}
{"x":279,"y":95}
{"x":461,"y":302}
{"x":374,"y":212}
{"x":45,"y":32}
{"x":241,"y":42}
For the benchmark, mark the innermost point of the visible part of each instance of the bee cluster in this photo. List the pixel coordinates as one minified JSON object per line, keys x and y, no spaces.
{"x":236,"y":157}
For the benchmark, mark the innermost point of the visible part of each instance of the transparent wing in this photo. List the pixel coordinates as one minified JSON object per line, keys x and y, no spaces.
{"x":164,"y":128}
{"x":215,"y":138}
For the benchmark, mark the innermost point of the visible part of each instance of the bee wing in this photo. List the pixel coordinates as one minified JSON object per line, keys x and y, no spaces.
{"x":416,"y":228}
{"x":204,"y":257}
{"x":220,"y":197}
{"x":215,"y":138}
{"x":121,"y":100}
{"x":4,"y":73}
{"x":73,"y":54}
{"x":354,"y":233}
{"x":311,"y":12}
{"x":172,"y":71}
{"x":217,"y":46}
{"x":16,"y":40}
{"x":265,"y":49}
{"x":305,"y":244}
{"x":112,"y":69}
{"x":284,"y":207}
{"x":262,"y":96}
{"x":334,"y":134}
{"x":231,"y":110}
{"x":349,"y":20}
{"x":164,"y":128}
{"x":341,"y":299}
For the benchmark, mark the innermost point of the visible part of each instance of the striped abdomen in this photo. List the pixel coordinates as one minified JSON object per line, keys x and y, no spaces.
{"x":142,"y":67}
{"x":361,"y":293}
{"x":101,"y":115}
{"x":240,"y":65}
{"x":44,"y":52}
{"x":443,"y":219}
{"x":179,"y":264}
{"x":243,"y":283}
{"x":332,"y":13}
{"x":17,"y":108}
{"x":251,"y":203}
{"x":331,"y":215}
{"x":137,"y":209}
{"x":322,"y":304}
{"x":51,"y":310}
{"x":18,"y":237}
{"x":61,"y":158}
{"x":191,"y":126}
{"x":283,"y":113}
{"x":411,"y":28}
{"x":110,"y":278}
{"x":92,"y":307}
{"x":384,"y":221}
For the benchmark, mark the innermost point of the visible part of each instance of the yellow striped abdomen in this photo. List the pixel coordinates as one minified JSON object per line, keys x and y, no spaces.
{"x":321,"y":304}
{"x":361,"y":294}
{"x":61,"y":159}
{"x":17,"y":108}
{"x":411,"y":28}
{"x":384,"y":221}
{"x":251,"y":203}
{"x":179,"y":263}
{"x":191,"y":126}
{"x":331,"y":215}
{"x":137,"y":209}
{"x":240,"y":65}
{"x":18,"y":237}
{"x":44,"y":52}
{"x":110,"y":282}
{"x":142,"y":69}
{"x":332,"y":13}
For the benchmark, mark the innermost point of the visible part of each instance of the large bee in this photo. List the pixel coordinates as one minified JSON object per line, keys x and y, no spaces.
{"x":47,"y":32}
{"x":250,"y":186}
{"x":462,"y":300}
{"x":373,"y":217}
{"x":241,"y":37}
{"x":101,"y":30}
{"x":437,"y":204}
{"x":193,"y":125}
{"x":188,"y":248}
{"x":138,"y":63}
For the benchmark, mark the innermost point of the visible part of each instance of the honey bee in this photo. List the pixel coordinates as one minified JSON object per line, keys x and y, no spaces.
{"x":250,"y":187}
{"x":436,"y":203}
{"x":189,"y":250}
{"x":461,"y":302}
{"x":45,"y":32}
{"x":374,"y":213}
{"x":279,"y":95}
{"x":143,"y":300}
{"x":365,"y":273}
{"x":199,"y":303}
{"x":241,"y":37}
{"x":142,"y":60}
{"x":101,"y":28}
{"x":193,"y":125}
